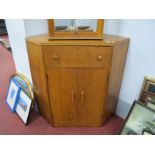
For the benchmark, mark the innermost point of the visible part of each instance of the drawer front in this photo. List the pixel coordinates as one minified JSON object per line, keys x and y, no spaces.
{"x":77,"y":56}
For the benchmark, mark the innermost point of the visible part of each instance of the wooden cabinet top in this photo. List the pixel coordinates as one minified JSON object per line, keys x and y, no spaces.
{"x":108,"y":40}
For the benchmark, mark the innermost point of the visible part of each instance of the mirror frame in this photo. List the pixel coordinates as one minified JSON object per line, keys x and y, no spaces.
{"x":75,"y":34}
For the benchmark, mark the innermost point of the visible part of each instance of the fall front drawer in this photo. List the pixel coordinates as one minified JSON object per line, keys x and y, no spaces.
{"x":77,"y":56}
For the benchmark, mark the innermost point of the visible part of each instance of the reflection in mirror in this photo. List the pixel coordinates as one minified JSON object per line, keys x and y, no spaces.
{"x":75,"y":25}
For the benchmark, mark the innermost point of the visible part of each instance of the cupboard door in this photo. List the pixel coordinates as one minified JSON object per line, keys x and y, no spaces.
{"x":92,"y":86}
{"x":62,"y":85}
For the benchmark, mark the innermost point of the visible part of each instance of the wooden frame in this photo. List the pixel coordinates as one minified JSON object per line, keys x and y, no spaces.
{"x":146,"y":90}
{"x":147,"y":82}
{"x":76,"y":34}
{"x":145,"y":96}
{"x":139,"y":118}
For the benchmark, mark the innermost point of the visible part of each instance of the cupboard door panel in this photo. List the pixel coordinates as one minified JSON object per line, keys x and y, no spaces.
{"x":62,"y":93}
{"x":92,"y":86}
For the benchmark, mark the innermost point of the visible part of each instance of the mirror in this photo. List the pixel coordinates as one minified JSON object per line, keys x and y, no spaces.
{"x":75,"y":29}
{"x":88,"y":25}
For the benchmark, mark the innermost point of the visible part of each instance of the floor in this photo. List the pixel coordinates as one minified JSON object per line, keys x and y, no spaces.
{"x":10,"y":123}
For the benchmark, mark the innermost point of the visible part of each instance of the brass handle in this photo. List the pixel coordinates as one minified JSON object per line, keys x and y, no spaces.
{"x":99,"y":57}
{"x":82,"y":97}
{"x":73,"y":96}
{"x":55,"y":57}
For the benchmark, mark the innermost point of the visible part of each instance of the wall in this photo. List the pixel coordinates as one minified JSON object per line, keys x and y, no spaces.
{"x":18,"y":29}
{"x":17,"y":34}
{"x":140,"y":59}
{"x":112,"y":26}
{"x":35,"y":26}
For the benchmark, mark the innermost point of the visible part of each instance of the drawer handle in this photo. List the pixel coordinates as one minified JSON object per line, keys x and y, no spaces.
{"x":82,"y":97}
{"x":99,"y":57}
{"x":55,"y":57}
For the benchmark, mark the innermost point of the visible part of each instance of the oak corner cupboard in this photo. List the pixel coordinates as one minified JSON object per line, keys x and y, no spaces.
{"x":77,"y":82}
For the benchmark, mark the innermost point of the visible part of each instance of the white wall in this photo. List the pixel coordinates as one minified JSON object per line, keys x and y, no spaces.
{"x":112,"y":26}
{"x":140,"y":59}
{"x":17,"y":34}
{"x":35,"y":26}
{"x":18,"y":29}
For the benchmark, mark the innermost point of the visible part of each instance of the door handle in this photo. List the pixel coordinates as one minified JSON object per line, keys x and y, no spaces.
{"x":73,"y":96}
{"x":82,"y":97}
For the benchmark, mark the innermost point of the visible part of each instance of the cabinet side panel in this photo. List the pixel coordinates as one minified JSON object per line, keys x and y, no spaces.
{"x":117,"y":68}
{"x":39,"y":79}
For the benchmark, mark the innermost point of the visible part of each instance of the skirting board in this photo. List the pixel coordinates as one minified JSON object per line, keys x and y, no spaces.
{"x":123,"y":108}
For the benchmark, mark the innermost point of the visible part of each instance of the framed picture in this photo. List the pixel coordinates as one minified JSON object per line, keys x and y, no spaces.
{"x":24,"y":106}
{"x":150,"y":86}
{"x":13,"y":94}
{"x":148,"y":89}
{"x":139,"y":118}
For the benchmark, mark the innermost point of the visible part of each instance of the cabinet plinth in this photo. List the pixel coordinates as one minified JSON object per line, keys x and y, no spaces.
{"x":77,"y":83}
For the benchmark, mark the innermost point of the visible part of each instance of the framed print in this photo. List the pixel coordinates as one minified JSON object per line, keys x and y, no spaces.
{"x":148,"y":89}
{"x":150,"y":86}
{"x":139,"y":118}
{"x":24,"y":106}
{"x":13,"y":94}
